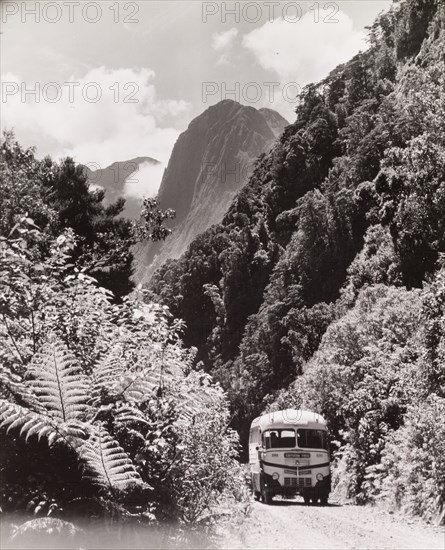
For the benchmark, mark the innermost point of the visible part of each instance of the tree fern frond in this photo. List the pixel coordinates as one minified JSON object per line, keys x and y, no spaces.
{"x":19,"y":391}
{"x":13,"y":416}
{"x":113,"y":376}
{"x":139,"y":386}
{"x":148,"y":375}
{"x":107,"y":373}
{"x":106,"y":463}
{"x":129,"y":415}
{"x":58,"y":382}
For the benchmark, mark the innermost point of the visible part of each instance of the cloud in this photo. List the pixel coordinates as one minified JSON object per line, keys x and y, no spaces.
{"x":124,"y":122}
{"x":224,"y":59}
{"x":304,"y":51}
{"x":224,"y":40}
{"x":145,"y":181}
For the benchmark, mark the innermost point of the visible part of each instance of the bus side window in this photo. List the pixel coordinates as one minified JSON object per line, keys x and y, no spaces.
{"x":254,"y":436}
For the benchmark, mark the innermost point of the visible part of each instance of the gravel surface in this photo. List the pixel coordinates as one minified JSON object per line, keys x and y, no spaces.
{"x":289,"y":524}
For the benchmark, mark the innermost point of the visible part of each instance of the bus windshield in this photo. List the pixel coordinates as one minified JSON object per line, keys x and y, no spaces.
{"x":312,"y":439}
{"x":279,"y":439}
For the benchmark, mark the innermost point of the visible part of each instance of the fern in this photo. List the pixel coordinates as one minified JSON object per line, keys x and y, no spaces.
{"x":13,"y":416}
{"x":58,"y":382}
{"x":129,"y":415}
{"x":57,"y":394}
{"x":106,"y":463}
{"x":19,"y":391}
{"x":107,"y":373}
{"x":59,"y":403}
{"x":113,"y":377}
{"x":52,"y":402}
{"x":161,"y":369}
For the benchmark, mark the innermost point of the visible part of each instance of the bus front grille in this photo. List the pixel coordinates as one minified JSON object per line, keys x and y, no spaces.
{"x":297,"y":482}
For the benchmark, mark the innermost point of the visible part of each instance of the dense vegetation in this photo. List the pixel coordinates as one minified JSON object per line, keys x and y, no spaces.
{"x":56,"y":196}
{"x":101,"y":411}
{"x":323,"y":285}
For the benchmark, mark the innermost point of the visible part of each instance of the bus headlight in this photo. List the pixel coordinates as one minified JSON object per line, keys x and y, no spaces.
{"x":275,"y":476}
{"x":320,"y":477}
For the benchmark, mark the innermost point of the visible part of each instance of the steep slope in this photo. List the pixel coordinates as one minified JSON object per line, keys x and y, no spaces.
{"x":351,"y":196}
{"x":210,"y":162}
{"x":274,"y":120}
{"x":112,"y":180}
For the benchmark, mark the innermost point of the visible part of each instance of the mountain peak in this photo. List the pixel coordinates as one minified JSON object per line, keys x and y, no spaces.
{"x":276,"y":122}
{"x":209,"y":164}
{"x":112,"y":180}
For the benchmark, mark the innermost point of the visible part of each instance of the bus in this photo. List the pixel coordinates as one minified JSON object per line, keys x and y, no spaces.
{"x":289,"y":455}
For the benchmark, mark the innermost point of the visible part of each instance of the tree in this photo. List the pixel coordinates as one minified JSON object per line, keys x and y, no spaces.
{"x":57,"y":196}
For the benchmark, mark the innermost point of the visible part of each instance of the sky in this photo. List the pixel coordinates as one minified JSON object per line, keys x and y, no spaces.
{"x":108,"y":81}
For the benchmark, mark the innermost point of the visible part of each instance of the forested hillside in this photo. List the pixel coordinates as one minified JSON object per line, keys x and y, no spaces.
{"x":324,"y":284}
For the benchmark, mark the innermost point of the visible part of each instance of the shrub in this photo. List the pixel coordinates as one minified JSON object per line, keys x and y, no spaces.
{"x":412,"y":476}
{"x":104,"y":397}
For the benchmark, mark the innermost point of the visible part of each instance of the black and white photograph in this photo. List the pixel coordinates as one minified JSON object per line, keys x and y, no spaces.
{"x":222,"y":275}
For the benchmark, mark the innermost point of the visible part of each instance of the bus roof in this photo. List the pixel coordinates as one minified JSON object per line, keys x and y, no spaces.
{"x":288,"y":416}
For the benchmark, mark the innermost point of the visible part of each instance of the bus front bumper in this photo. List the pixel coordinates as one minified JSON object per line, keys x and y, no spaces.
{"x":322,"y":487}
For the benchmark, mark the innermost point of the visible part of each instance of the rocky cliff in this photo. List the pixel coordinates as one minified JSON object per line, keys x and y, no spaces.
{"x":210,"y":162}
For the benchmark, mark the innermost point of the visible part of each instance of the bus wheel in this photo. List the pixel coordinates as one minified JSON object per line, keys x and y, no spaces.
{"x":307,"y":500}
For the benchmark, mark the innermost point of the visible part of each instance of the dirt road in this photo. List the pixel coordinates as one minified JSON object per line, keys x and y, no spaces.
{"x":289,"y":524}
